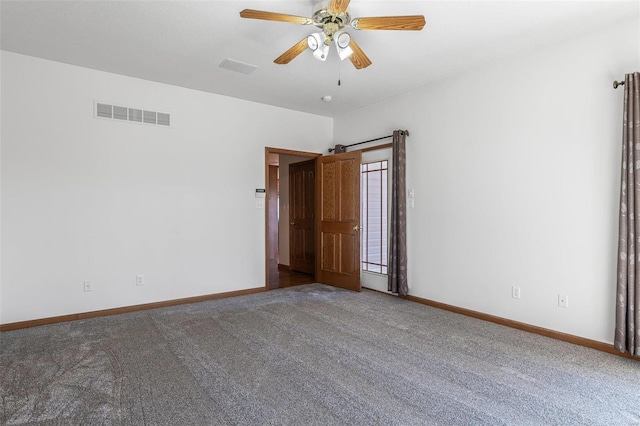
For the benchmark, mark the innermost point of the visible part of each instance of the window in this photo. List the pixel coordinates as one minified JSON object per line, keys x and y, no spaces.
{"x":374,"y":216}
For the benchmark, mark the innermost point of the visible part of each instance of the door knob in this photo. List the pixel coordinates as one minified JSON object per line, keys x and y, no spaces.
{"x":356,"y":228}
{"x":292,"y":223}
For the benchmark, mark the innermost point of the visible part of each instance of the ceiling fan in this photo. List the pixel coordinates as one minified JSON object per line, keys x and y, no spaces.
{"x":332,"y":17}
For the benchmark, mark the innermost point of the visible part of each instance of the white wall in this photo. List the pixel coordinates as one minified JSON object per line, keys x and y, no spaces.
{"x":100,"y":200}
{"x":515,"y":167}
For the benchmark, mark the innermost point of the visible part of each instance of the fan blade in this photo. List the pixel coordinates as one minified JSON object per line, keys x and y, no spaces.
{"x":290,"y":54}
{"x":407,"y":23}
{"x":272,"y":16}
{"x":338,"y":6}
{"x":358,"y":58}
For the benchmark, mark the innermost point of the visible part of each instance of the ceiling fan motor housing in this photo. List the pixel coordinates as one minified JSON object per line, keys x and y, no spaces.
{"x":322,"y":16}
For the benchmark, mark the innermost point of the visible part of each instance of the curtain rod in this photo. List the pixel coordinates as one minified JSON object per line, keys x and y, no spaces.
{"x":342,"y":148}
{"x":617,"y":83}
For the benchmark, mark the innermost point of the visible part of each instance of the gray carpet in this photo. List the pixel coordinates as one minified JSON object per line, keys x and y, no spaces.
{"x":307,"y":355}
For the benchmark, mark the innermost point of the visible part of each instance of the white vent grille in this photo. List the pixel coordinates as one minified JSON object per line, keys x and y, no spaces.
{"x":132,"y":115}
{"x":237,"y":66}
{"x":164,"y":119}
{"x":120,"y":113}
{"x":104,"y":110}
{"x":135,"y":115}
{"x":149,"y":117}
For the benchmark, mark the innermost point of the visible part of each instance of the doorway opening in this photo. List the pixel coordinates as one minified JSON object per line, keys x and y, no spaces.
{"x":279,"y":226}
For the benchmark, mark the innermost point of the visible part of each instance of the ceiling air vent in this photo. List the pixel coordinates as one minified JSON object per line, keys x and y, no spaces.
{"x":132,"y":115}
{"x":237,"y":66}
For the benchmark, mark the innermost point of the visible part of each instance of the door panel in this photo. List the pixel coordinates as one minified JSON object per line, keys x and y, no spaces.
{"x":302,"y":189}
{"x":338,"y":182}
{"x":328,"y":252}
{"x":328,"y":191}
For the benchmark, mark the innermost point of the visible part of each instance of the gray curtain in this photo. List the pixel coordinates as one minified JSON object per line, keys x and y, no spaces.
{"x":627,"y":337}
{"x":398,"y":223}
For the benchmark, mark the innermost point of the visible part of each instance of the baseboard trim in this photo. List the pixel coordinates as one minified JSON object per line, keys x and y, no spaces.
{"x":126,"y":309}
{"x":388,"y":293}
{"x":576,"y":340}
{"x":282,"y":267}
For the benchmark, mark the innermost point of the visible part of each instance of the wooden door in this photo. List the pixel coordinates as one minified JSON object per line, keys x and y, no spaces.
{"x":338,"y":220}
{"x":302,"y":197}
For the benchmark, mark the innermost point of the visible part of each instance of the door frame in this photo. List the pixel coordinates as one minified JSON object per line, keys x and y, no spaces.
{"x":267,"y":152}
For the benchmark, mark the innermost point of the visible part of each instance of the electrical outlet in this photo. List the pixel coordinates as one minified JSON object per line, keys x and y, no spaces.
{"x":563,"y":300}
{"x":139,"y":279}
{"x":88,"y":286}
{"x":259,"y":204}
{"x":515,"y":292}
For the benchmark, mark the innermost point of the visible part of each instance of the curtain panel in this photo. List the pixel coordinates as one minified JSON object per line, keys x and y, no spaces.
{"x":397,"y":271}
{"x":627,"y":333}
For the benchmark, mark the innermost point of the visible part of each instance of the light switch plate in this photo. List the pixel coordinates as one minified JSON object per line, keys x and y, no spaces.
{"x":563,"y":300}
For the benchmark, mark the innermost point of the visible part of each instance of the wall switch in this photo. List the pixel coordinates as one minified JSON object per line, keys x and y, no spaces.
{"x":139,"y":279}
{"x":515,"y":292}
{"x":259,"y":204}
{"x":563,"y":301}
{"x":88,"y":286}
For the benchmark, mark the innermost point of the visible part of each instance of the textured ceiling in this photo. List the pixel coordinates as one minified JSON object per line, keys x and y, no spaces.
{"x":183,"y":42}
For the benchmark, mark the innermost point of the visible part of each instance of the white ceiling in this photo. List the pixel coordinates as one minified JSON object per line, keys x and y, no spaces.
{"x":183,"y":42}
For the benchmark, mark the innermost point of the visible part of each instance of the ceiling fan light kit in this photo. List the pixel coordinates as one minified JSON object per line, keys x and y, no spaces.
{"x":322,"y":52}
{"x":319,"y":47}
{"x":343,"y":40}
{"x":331,"y":16}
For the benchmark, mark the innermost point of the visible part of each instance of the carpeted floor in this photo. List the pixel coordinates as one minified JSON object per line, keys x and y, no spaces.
{"x":307,"y":355}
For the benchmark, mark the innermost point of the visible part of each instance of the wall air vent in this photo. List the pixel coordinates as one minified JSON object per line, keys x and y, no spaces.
{"x":132,"y":115}
{"x":164,"y":119}
{"x":135,"y":115}
{"x":104,"y":110}
{"x":120,"y":113}
{"x":149,"y":117}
